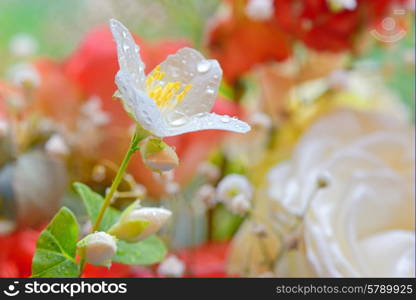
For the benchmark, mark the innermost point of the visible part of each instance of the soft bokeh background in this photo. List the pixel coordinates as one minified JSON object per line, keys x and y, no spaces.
{"x":288,"y":82}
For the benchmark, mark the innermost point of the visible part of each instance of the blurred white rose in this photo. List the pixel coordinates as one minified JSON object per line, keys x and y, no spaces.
{"x":363,"y":222}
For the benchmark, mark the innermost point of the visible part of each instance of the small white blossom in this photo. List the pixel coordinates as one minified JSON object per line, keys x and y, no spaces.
{"x":93,"y":111}
{"x":232,"y":185}
{"x":176,"y":97}
{"x":100,"y":247}
{"x":210,"y":171}
{"x":23,"y":44}
{"x":56,"y":146}
{"x":239,"y":205}
{"x":260,"y":10}
{"x":206,"y":194}
{"x":236,"y":192}
{"x":171,"y":267}
{"x":24,"y":75}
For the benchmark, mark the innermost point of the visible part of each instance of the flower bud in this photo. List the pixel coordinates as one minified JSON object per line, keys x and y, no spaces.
{"x":233,"y":185}
{"x":239,"y":205}
{"x":158,"y":156}
{"x":136,"y":223}
{"x":99,"y":248}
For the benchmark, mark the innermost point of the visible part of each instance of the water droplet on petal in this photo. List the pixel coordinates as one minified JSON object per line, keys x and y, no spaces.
{"x":225,"y":119}
{"x":200,"y":115}
{"x":126,"y":47}
{"x":210,"y":91}
{"x":177,"y":118}
{"x":203,"y":66}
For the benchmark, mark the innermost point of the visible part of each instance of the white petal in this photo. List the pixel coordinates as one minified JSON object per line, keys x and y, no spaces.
{"x":204,"y":121}
{"x":189,"y":67}
{"x":137,"y":103}
{"x":128,"y":53}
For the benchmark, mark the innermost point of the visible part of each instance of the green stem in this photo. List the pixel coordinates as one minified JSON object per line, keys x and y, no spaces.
{"x":139,"y":135}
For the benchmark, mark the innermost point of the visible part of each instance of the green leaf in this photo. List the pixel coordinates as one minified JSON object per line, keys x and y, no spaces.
{"x":93,"y":202}
{"x":56,"y":248}
{"x":146,"y":252}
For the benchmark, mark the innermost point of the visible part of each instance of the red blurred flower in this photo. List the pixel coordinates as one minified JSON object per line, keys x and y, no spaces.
{"x":323,"y":29}
{"x":57,"y":96}
{"x":207,"y":260}
{"x":204,"y":261}
{"x":240,"y":43}
{"x":16,"y":253}
{"x":115,"y":271}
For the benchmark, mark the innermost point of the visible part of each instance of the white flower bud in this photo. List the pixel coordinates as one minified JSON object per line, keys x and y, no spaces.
{"x":259,"y":10}
{"x":56,"y":146}
{"x":158,"y":156}
{"x":99,"y":248}
{"x":210,"y":171}
{"x":239,"y":205}
{"x":136,"y":223}
{"x":171,"y":267}
{"x":206,"y":194}
{"x":233,"y":185}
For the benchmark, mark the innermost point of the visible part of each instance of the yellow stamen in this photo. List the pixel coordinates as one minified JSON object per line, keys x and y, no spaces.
{"x":164,"y":94}
{"x":182,"y":94}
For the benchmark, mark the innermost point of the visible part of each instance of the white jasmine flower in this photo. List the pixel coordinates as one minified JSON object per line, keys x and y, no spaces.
{"x":56,"y":146}
{"x":259,"y":10}
{"x":176,"y":96}
{"x":338,"y":5}
{"x":99,"y":248}
{"x":137,"y":223}
{"x":23,"y":44}
{"x":171,"y":267}
{"x":24,"y":75}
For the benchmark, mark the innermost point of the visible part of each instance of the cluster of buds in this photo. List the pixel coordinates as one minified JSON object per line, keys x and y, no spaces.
{"x":135,"y":224}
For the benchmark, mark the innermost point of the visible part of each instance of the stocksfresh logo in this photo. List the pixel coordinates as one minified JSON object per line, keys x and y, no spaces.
{"x":11,"y":290}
